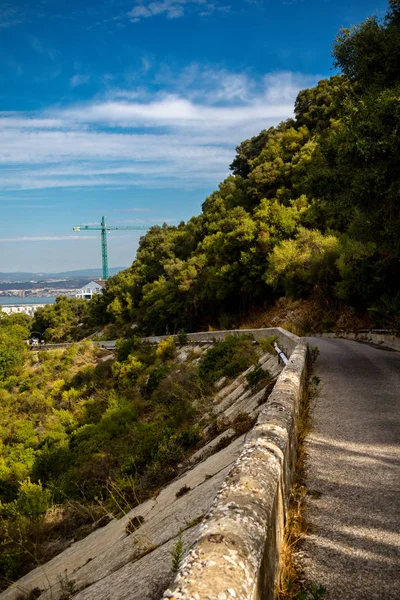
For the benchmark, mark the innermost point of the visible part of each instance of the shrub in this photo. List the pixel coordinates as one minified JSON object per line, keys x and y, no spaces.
{"x":129,"y":370}
{"x":182,"y":337}
{"x":182,"y":491}
{"x":256,"y":376}
{"x":154,"y":378}
{"x":177,"y":395}
{"x":177,"y":552}
{"x":242,"y":423}
{"x":125,"y":347}
{"x":267,"y":344}
{"x":228,"y":358}
{"x":166,"y":349}
{"x":32,"y":501}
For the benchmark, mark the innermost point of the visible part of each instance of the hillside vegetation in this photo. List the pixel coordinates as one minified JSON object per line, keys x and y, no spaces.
{"x":308,"y":222}
{"x":311,"y":210}
{"x":87,"y":434}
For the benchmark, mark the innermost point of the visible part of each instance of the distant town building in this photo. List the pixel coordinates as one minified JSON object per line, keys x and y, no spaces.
{"x":87,"y":291}
{"x":25,"y":309}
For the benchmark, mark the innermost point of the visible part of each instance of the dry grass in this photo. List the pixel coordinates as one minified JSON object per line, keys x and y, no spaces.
{"x":292,"y":313}
{"x":290,"y":582}
{"x":306,"y":316}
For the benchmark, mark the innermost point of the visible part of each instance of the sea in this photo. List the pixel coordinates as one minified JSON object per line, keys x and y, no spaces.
{"x":13,"y":301}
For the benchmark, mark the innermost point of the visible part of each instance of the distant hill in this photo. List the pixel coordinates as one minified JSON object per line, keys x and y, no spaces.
{"x":21,"y":277}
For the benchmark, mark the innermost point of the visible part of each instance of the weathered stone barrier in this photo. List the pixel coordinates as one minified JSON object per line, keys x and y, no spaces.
{"x":287,"y":341}
{"x":385,"y":340}
{"x":237,"y":552}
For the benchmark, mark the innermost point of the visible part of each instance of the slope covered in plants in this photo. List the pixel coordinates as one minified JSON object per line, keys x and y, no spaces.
{"x":311,"y":210}
{"x":86,"y":434}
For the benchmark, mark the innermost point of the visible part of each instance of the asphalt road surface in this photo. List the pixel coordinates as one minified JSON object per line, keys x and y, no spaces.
{"x":353,"y":501}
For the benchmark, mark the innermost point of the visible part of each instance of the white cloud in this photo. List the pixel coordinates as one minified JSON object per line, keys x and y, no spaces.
{"x":29,"y":206}
{"x":127,"y":210}
{"x":40,"y":48}
{"x":10,"y":14}
{"x":48,"y":238}
{"x":172,"y":9}
{"x":178,"y":112}
{"x":79,"y":79}
{"x":183,"y":138}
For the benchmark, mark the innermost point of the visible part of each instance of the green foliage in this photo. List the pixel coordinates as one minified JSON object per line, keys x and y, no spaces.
{"x":182,"y":491}
{"x":125,"y":346}
{"x":256,"y":376}
{"x":60,"y":322}
{"x":177,"y":553}
{"x":228,"y":358}
{"x":76,"y":428}
{"x":369,"y":53}
{"x":316,"y":108}
{"x":311,"y":210}
{"x":13,"y":333}
{"x":305,"y":263}
{"x":32,"y":501}
{"x":301,"y":198}
{"x":67,"y":586}
{"x":182,"y":337}
{"x":267,"y":344}
{"x":166,"y":349}
{"x":313,"y":592}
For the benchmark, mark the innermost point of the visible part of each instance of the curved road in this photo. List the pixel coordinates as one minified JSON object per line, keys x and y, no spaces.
{"x":353,"y":479}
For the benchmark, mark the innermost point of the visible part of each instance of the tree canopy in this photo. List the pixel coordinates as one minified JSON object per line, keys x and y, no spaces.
{"x":311,"y":209}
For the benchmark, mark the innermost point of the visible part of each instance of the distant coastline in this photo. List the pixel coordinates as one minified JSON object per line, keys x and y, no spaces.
{"x":14,"y":301}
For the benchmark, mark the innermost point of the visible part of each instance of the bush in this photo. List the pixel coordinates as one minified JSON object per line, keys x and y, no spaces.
{"x":32,"y":501}
{"x":125,"y":346}
{"x":242,"y":423}
{"x":228,"y":358}
{"x":166,"y":349}
{"x":256,"y":376}
{"x":128,"y":370}
{"x":267,"y":344}
{"x":182,"y":337}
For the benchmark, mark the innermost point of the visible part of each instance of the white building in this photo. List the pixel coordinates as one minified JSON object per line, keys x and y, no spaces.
{"x":88,"y":290}
{"x":25,"y":309}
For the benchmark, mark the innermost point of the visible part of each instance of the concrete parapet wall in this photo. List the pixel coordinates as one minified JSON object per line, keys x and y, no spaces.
{"x":287,"y":341}
{"x":236,"y":555}
{"x":386,"y":340}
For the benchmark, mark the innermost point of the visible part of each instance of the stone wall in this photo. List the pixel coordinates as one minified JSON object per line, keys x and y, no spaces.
{"x":236,"y":554}
{"x":287,"y":341}
{"x":385,"y":340}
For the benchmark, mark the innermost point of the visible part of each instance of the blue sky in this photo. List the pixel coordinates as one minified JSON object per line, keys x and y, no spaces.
{"x":133,"y":109}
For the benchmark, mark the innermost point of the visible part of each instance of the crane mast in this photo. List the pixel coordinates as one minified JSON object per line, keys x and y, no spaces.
{"x":104,"y":229}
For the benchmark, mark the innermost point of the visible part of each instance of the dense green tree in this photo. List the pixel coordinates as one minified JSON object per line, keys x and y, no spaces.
{"x":14,"y":331}
{"x":317,"y":107}
{"x":369,"y":53}
{"x":60,"y":322}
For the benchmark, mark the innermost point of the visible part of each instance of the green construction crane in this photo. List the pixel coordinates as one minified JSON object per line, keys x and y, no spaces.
{"x":104,"y":230}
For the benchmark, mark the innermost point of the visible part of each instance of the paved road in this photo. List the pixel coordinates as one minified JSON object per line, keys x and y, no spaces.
{"x":109,"y":345}
{"x":353,"y":506}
